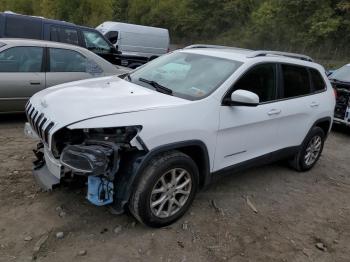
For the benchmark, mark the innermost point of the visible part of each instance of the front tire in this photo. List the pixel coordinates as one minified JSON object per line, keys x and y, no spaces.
{"x":310,"y":151}
{"x":165,"y":190}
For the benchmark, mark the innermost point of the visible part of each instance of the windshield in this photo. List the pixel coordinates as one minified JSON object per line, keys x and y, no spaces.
{"x":342,"y":74}
{"x":186,"y":75}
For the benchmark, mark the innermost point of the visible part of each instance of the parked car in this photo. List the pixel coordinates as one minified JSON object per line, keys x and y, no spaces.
{"x":28,"y":66}
{"x":340,"y":80}
{"x":167,"y":129}
{"x":137,"y":44}
{"x":31,"y":27}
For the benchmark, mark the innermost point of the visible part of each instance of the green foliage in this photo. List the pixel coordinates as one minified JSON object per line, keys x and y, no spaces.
{"x":294,"y":25}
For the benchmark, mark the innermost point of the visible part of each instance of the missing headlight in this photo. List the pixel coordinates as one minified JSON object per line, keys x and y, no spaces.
{"x":120,"y":136}
{"x":92,"y":158}
{"x":116,"y":135}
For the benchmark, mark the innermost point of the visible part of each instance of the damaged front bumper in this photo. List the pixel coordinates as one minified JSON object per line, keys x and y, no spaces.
{"x":107,"y":168}
{"x":47,"y":171}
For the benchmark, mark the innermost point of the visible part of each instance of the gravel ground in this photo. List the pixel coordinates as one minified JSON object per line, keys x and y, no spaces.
{"x":297,"y":216}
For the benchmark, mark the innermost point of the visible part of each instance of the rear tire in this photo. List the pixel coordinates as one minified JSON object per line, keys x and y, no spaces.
{"x":310,"y":151}
{"x":165,"y":190}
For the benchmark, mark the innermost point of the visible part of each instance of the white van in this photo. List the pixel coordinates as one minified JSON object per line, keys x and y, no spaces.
{"x":136,"y":42}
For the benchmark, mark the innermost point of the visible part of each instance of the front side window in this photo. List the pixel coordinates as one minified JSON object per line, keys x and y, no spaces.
{"x":342,"y":74}
{"x":64,"y":60}
{"x":187,"y":75}
{"x":112,"y":37}
{"x":95,"y":42}
{"x":21,"y":59}
{"x":260,"y":80}
{"x":64,"y":35}
{"x":295,"y":81}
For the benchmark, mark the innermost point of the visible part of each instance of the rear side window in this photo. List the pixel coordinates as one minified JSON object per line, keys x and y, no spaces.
{"x":64,"y":35}
{"x":21,"y":60}
{"x":296,"y":81}
{"x":64,"y":60}
{"x":260,"y":80}
{"x":23,"y":27}
{"x":317,"y":80}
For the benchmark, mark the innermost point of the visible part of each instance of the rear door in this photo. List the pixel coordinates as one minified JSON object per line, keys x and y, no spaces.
{"x":298,"y":105}
{"x":21,"y":76}
{"x":65,"y":65}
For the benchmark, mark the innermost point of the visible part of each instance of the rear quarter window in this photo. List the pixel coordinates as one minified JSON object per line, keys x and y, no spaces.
{"x":318,"y":83}
{"x":23,"y":27}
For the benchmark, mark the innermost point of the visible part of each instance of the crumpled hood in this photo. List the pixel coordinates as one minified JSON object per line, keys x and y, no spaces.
{"x":76,"y":101}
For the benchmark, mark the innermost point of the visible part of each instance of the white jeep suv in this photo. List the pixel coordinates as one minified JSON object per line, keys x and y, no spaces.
{"x":148,"y":140}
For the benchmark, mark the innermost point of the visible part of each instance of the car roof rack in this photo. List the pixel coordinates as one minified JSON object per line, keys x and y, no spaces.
{"x":278,"y":53}
{"x":214,"y":46}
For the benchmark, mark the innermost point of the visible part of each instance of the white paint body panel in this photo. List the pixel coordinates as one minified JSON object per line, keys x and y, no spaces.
{"x":231,"y":134}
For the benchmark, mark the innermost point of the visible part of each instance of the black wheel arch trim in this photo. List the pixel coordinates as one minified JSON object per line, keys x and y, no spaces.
{"x":322,"y":120}
{"x":125,"y":184}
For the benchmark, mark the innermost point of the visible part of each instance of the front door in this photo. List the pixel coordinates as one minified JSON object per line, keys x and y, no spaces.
{"x":249,"y":132}
{"x":21,"y":76}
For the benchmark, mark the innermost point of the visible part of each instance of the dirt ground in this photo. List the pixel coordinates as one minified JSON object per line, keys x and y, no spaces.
{"x":295,"y":213}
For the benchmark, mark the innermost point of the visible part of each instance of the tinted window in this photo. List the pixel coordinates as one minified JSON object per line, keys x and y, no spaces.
{"x":296,"y":81}
{"x":64,"y":60}
{"x":95,"y":42}
{"x":23,"y":27}
{"x":64,"y":35}
{"x":112,"y":37}
{"x":317,"y":80}
{"x":260,"y":80}
{"x":21,"y":59}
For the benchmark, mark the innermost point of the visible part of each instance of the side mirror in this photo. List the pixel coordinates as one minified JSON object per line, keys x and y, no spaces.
{"x":243,"y":98}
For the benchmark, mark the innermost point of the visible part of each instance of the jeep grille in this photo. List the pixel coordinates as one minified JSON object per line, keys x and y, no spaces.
{"x":39,"y":123}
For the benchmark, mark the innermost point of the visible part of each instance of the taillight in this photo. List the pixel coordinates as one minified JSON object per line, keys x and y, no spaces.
{"x":335,"y":93}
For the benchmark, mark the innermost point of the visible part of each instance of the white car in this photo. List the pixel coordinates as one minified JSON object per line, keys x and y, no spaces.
{"x":137,"y":44}
{"x":149,"y":140}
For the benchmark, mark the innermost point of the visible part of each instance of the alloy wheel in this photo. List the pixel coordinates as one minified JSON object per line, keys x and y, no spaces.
{"x":313,"y":150}
{"x":171,"y":192}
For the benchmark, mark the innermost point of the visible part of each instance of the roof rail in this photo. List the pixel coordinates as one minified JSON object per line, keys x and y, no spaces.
{"x":213,"y":46}
{"x":278,"y":53}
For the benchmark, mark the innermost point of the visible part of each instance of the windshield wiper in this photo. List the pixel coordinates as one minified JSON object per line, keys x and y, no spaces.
{"x":157,"y":86}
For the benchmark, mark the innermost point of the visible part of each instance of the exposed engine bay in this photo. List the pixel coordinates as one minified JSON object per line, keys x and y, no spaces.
{"x":102,"y":157}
